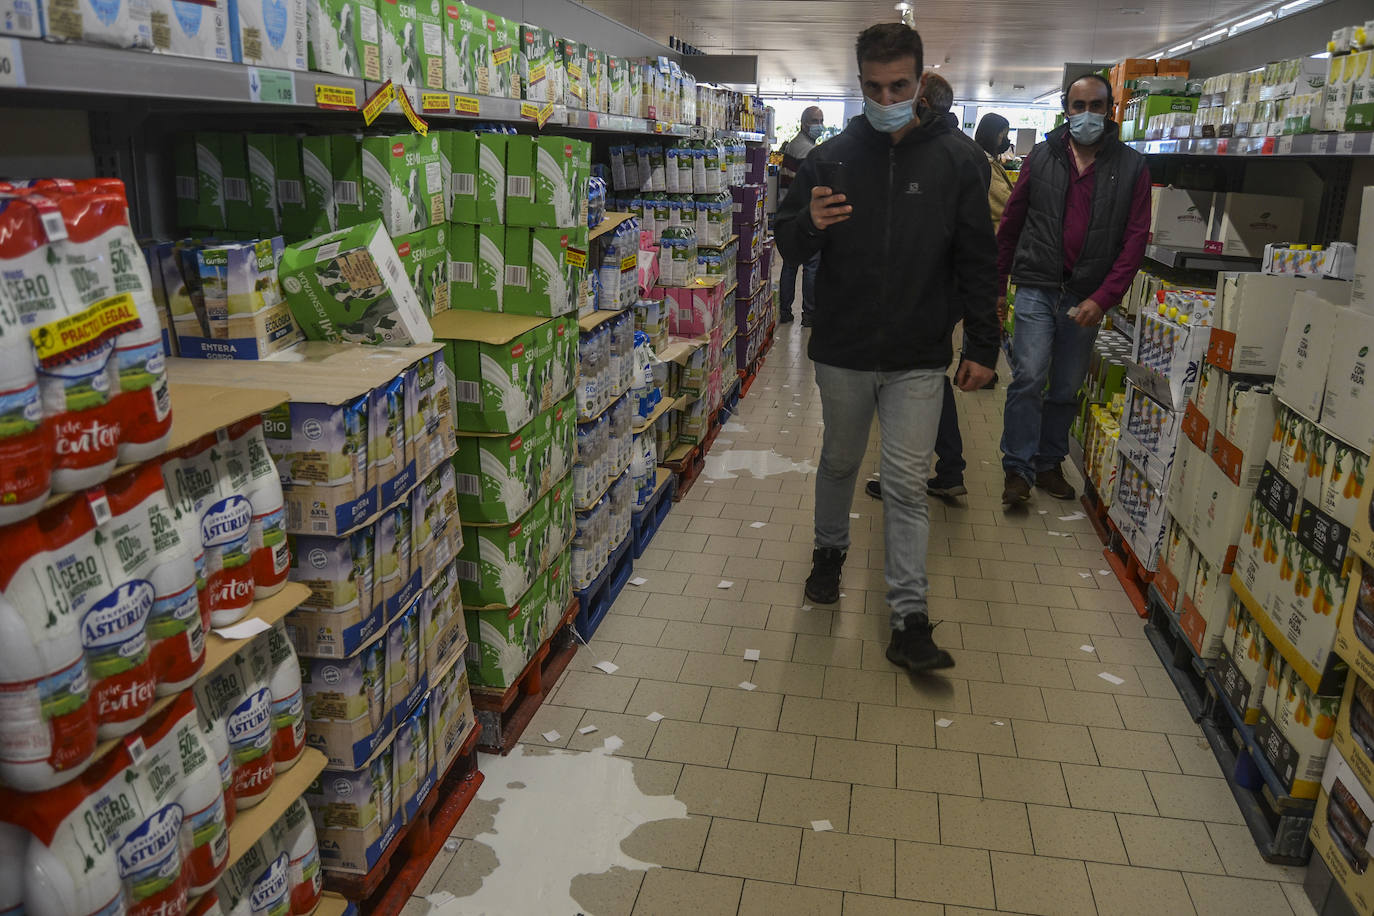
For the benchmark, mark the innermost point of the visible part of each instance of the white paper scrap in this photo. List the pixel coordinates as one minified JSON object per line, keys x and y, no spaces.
{"x":1043,"y":511}
{"x":1085,"y":575}
{"x":998,"y":722}
{"x":1088,"y":648}
{"x":853,"y":515}
{"x":1104,"y":572}
{"x":608,"y":667}
{"x":586,"y":729}
{"x":807,"y":607}
{"x":244,"y":629}
{"x":552,"y":736}
{"x":638,"y":580}
{"x":746,"y":685}
{"x":944,"y":723}
{"x":724,"y":583}
{"x":655,"y":717}
{"x":758,"y":524}
{"x":1112,"y":679}
{"x":1072,"y":518}
{"x":822,"y":826}
{"x":751,"y":655}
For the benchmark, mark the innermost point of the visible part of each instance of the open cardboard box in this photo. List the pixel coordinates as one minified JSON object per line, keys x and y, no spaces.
{"x":1341,"y":831}
{"x":1354,"y":734}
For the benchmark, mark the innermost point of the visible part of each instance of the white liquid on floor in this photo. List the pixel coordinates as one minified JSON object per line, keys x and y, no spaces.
{"x":568,"y":812}
{"x":759,"y":463}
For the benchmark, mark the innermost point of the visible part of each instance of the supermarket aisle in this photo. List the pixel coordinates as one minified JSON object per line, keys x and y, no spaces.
{"x":1023,"y":782}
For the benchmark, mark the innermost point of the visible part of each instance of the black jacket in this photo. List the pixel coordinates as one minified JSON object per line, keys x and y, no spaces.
{"x":886,"y":295}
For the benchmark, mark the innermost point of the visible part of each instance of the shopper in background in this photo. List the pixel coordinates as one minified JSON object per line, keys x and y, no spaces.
{"x":898,"y":207}
{"x":1072,"y":237}
{"x":994,"y":138}
{"x":937,"y":96}
{"x":794,"y":152}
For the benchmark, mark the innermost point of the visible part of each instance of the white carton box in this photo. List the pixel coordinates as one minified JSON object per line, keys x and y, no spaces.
{"x":1363,"y":295}
{"x":1242,"y":224}
{"x":1178,"y":217}
{"x":120,"y":25}
{"x":1303,"y":363}
{"x":269,"y":33}
{"x":191,"y":28}
{"x":1348,"y":407}
{"x":1255,"y":308}
{"x":21,"y":17}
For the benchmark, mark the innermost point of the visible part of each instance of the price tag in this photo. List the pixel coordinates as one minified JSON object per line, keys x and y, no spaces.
{"x":374,"y":106}
{"x":100,"y":505}
{"x":336,"y":98}
{"x":576,"y":258}
{"x":529,"y":110}
{"x":54,"y":226}
{"x":544,"y":114}
{"x":501,"y":56}
{"x":466,"y":105}
{"x":536,"y":74}
{"x":436,"y":102}
{"x":629,"y":264}
{"x":1321,"y":144}
{"x":11,"y":62}
{"x":1285,"y":146}
{"x":1345,"y":144}
{"x":137,"y":749}
{"x":273,"y":87}
{"x":420,"y":124}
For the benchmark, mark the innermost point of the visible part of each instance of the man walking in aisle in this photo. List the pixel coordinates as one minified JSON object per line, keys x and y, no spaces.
{"x":1072,"y":237}
{"x":793,"y":153}
{"x":898,"y":206}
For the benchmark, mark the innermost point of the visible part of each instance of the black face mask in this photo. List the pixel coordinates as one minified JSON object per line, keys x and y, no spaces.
{"x":1003,"y":147}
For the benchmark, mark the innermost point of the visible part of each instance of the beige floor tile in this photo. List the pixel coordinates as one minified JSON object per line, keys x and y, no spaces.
{"x":550,"y":718}
{"x":1124,"y":891}
{"x":946,"y":772}
{"x":796,"y":802}
{"x":975,"y":665}
{"x":640,"y":631}
{"x":719,"y":792}
{"x":1108,"y":597}
{"x":674,"y":843}
{"x":1073,"y":708}
{"x":1006,"y":701}
{"x":1194,"y":755}
{"x":1041,"y":885}
{"x":715,"y":670}
{"x":1241,"y":858}
{"x":896,"y":725}
{"x":1053,"y":741}
{"x":897,"y":813}
{"x":1033,"y":671}
{"x":788,"y":677}
{"x":1006,"y":570}
{"x":1087,"y":678}
{"x":636,"y":732}
{"x":1161,"y":842}
{"x":672,"y":701}
{"x":995,"y":639}
{"x":594,"y":690}
{"x":1297,"y":899}
{"x":1056,"y":644}
{"x":1134,"y":750}
{"x":773,"y":752}
{"x":1076,"y":833}
{"x":1013,"y":779}
{"x":1214,"y":894}
{"x":692,"y":742}
{"x":1094,"y":623}
{"x":693,"y":637}
{"x":646,"y":661}
{"x":979,"y":734}
{"x":815,"y":622}
{"x":770,"y":643}
{"x":656,"y":777}
{"x":1123,"y":791}
{"x":748,"y":709}
{"x":944,"y":874}
{"x":984,"y":823}
{"x":1194,"y":797}
{"x":748,"y":850}
{"x":748,"y":614}
{"x":673,"y":606}
{"x":983,"y":589}
{"x":871,"y":627}
{"x":959,"y":610}
{"x":827,"y":650}
{"x":667,"y":892}
{"x":1046,"y":595}
{"x":810,"y":716}
{"x":702,"y":563}
{"x":862,"y":762}
{"x":764,"y":899}
{"x":942,"y":694}
{"x":612,"y":892}
{"x":841,"y":861}
{"x":852,"y":685}
{"x":865,"y":905}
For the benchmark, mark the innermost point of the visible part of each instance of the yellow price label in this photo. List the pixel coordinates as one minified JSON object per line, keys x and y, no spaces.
{"x":577,"y":258}
{"x":536,"y":74}
{"x":78,"y":335}
{"x":379,"y":102}
{"x":575,"y":71}
{"x":436,"y":102}
{"x":629,"y":263}
{"x":501,"y":56}
{"x":420,"y":124}
{"x":529,"y":110}
{"x":338,"y":98}
{"x":466,"y":105}
{"x":544,"y":114}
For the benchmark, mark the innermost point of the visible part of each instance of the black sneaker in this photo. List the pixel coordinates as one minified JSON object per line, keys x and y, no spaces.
{"x":874,"y":488}
{"x":914,"y":648}
{"x":806,"y":321}
{"x":1016,"y":491}
{"x":823,"y":585}
{"x":786,"y":318}
{"x":946,"y":490}
{"x":1053,"y":483}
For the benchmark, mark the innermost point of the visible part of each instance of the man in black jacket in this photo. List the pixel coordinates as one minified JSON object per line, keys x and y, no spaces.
{"x":899,"y":208}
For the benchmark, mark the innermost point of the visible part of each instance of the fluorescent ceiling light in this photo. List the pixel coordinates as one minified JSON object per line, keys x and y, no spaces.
{"x":1294,"y":5}
{"x":1157,"y":55}
{"x":1250,"y":23}
{"x":1047,"y":97}
{"x":1176,"y":48}
{"x":1323,"y":55}
{"x":1210,"y":35}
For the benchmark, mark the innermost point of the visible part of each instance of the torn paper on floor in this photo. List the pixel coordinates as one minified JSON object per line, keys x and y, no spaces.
{"x":751,"y":655}
{"x":724,"y":583}
{"x":638,"y":580}
{"x":586,"y":729}
{"x":746,"y":685}
{"x":1088,"y":648}
{"x":822,"y":826}
{"x":552,"y":737}
{"x":608,"y":667}
{"x":1112,"y":679}
{"x":655,"y":717}
{"x":944,"y":723}
{"x":758,"y":524}
{"x":1077,"y":516}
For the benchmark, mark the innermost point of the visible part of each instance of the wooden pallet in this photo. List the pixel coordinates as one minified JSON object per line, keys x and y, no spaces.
{"x":387,"y":888}
{"x":1130,"y":572}
{"x":504,"y":714}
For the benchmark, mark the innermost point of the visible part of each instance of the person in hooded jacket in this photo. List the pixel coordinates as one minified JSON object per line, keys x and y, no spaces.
{"x":897,"y":205}
{"x":994,"y":137}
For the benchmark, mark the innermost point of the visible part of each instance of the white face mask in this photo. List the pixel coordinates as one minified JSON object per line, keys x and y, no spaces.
{"x":889,"y":118}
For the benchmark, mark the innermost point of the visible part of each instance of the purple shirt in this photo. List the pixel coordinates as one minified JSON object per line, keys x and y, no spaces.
{"x":1078,"y":209}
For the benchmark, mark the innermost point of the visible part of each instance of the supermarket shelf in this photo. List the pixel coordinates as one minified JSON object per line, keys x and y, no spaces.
{"x":725,"y":244}
{"x":587,"y":507}
{"x":681,"y":451}
{"x":610,"y":221}
{"x":647,"y":423}
{"x":734,"y":329}
{"x":1197,"y":259}
{"x":331,"y":905}
{"x":600,"y":413}
{"x":252,"y":823}
{"x":219,"y":650}
{"x":1359,"y":143}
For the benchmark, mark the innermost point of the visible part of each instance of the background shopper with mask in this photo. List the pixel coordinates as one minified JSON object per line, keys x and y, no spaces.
{"x":794,"y":152}
{"x":898,"y":207}
{"x":1072,"y":237}
{"x":994,"y":136}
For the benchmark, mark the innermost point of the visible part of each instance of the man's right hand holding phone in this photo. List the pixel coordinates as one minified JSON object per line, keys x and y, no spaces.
{"x":828,"y":208}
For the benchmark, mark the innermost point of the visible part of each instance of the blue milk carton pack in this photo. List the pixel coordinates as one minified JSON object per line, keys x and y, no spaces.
{"x":190,"y":28}
{"x":269,"y":33}
{"x":115,"y":23}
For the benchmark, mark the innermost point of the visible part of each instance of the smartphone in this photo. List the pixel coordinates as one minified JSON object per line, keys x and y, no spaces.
{"x":831,"y":174}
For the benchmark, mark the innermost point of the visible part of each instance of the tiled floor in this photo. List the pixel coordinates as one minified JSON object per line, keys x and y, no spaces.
{"x":1022,"y":782}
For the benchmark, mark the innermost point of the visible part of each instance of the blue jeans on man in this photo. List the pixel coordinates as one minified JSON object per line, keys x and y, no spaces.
{"x":787,"y":294}
{"x":1049,"y":358}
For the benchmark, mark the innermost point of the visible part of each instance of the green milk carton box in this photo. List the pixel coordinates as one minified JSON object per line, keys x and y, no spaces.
{"x":503,"y":639}
{"x":462,"y":266}
{"x":262,"y":180}
{"x":462,"y":176}
{"x":543,"y":270}
{"x":424,"y":256}
{"x":334,"y":28}
{"x":595,"y":79}
{"x":499,"y":477}
{"x":349,"y":286}
{"x":346,"y":169}
{"x":403,"y":181}
{"x":296,"y":221}
{"x":499,"y":563}
{"x":199,"y":181}
{"x":489,"y":296}
{"x":465,"y":46}
{"x":400,"y":38}
{"x":574,"y":73}
{"x":538,"y":58}
{"x":491,"y":178}
{"x":430,"y":16}
{"x":369,"y":41}
{"x":546,"y":181}
{"x":238,"y":203}
{"x":319,"y":185}
{"x":562,"y":375}
{"x":494,"y":363}
{"x":619,"y":70}
{"x":505,"y":59}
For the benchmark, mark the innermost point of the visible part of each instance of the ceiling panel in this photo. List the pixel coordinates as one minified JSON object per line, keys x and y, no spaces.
{"x":985,"y":47}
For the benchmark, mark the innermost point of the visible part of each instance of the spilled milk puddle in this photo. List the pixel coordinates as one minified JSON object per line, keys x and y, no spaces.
{"x":759,"y":462}
{"x":549,"y":825}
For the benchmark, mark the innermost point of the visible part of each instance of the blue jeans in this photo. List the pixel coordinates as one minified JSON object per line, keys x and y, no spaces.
{"x":949,"y":445}
{"x":908,"y":405}
{"x":788,"y":293}
{"x":1050,"y":356}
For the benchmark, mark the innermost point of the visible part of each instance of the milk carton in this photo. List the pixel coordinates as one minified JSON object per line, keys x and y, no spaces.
{"x":21,"y":17}
{"x":318,"y":184}
{"x":543,"y":270}
{"x":459,"y":150}
{"x":120,"y":25}
{"x":497,"y":565}
{"x":429,"y":17}
{"x":347,"y":704}
{"x":346,"y":169}
{"x":540,"y":65}
{"x":403,"y":182}
{"x":189,"y":29}
{"x":337,"y":29}
{"x":269,"y":33}
{"x":400,"y":35}
{"x":344,"y":608}
{"x":502,"y":639}
{"x":467,"y":49}
{"x":424,"y":256}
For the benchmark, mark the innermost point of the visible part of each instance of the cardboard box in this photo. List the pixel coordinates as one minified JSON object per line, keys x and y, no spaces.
{"x":462,"y":266}
{"x":350,"y":799}
{"x":467,"y":49}
{"x":296,"y":221}
{"x":1362,"y":527}
{"x":1354,"y":733}
{"x":349,"y":286}
{"x":23,"y":18}
{"x":399,"y":31}
{"x":1362,"y":295}
{"x":236,"y":183}
{"x":451,"y":716}
{"x":459,"y":149}
{"x":269,"y":33}
{"x":1348,"y":405}
{"x":505,"y":54}
{"x":540,"y":65}
{"x":575,"y":67}
{"x":346,"y":169}
{"x":429,"y":18}
{"x":546,"y":181}
{"x":1340,"y":831}
{"x":123,"y":26}
{"x":358,"y":850}
{"x":403,"y":182}
{"x":186,"y":28}
{"x":1242,"y":224}
{"x":491,"y":179}
{"x":336,"y":31}
{"x":262,"y":182}
{"x":1306,"y":356}
{"x":506,"y":368}
{"x":415,"y":773}
{"x":407,"y":681}
{"x":1297,"y":738}
{"x":424,"y":257}
{"x":543,"y":269}
{"x":349,"y":743}
{"x":200,"y":197}
{"x":499,"y":477}
{"x":1355,"y":635}
{"x":346,"y":689}
{"x":498,"y":564}
{"x":1256,"y":309}
{"x":1178,"y":217}
{"x":319,"y":185}
{"x":502,"y":639}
